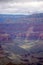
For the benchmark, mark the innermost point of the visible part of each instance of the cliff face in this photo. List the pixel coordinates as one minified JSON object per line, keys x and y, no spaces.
{"x":22,"y":40}
{"x":24,"y":26}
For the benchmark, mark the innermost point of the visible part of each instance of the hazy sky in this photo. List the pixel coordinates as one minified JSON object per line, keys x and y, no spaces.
{"x":21,"y":6}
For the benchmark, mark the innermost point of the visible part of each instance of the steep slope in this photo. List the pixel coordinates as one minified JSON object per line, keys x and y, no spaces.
{"x":37,"y":48}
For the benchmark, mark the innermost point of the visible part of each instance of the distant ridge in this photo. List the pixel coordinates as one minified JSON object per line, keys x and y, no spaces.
{"x":10,"y":18}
